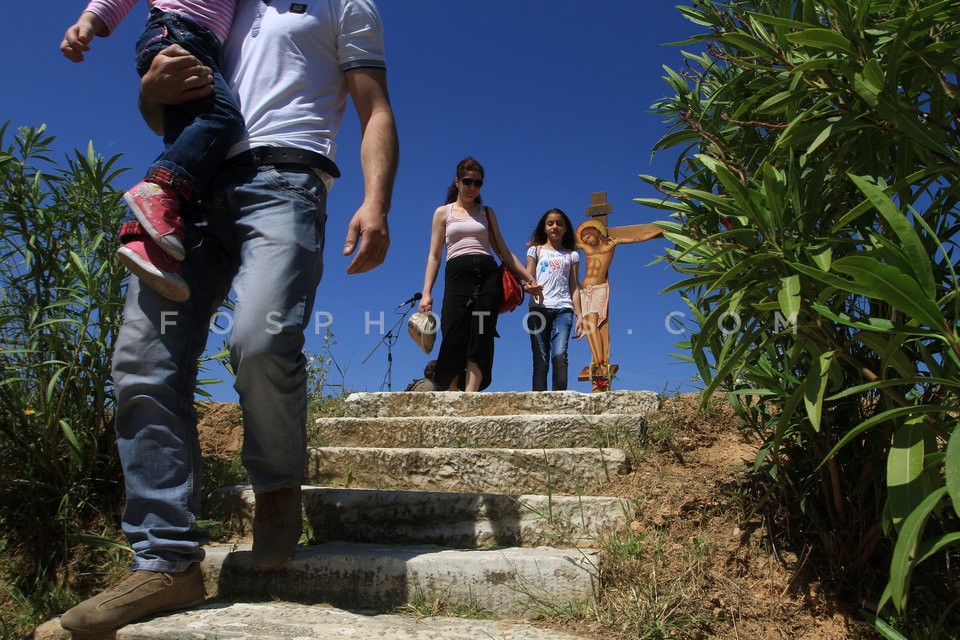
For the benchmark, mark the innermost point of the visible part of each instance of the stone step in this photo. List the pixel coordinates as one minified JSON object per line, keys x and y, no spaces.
{"x":456,"y":403}
{"x":524,"y":431}
{"x":578,"y":471}
{"x":507,"y":582}
{"x":286,"y":620}
{"x":461,"y":520}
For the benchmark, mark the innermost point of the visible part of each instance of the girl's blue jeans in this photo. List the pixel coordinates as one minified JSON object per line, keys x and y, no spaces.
{"x":261,"y":234}
{"x":549,"y":331}
{"x":197,"y":134}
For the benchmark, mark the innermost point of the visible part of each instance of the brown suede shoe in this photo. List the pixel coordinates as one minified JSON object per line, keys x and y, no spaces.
{"x":140,"y":594}
{"x":277,"y":525}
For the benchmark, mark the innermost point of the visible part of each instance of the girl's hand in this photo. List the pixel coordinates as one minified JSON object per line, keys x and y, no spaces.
{"x":76,"y":41}
{"x":535,"y":290}
{"x":578,"y":329}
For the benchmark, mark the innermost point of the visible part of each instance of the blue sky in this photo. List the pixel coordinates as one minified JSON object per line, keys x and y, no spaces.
{"x":552,"y":97}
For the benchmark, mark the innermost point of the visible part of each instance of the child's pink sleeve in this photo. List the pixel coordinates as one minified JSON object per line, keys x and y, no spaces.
{"x":112,"y":12}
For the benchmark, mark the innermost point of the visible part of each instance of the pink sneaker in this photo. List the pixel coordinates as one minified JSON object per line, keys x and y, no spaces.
{"x":158,"y":210}
{"x":154,"y":268}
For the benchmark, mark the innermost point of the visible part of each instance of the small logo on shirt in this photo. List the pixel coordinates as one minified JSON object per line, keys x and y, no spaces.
{"x":297,"y":7}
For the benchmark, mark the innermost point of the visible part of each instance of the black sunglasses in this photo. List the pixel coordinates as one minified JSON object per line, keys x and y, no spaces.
{"x":471,"y":182}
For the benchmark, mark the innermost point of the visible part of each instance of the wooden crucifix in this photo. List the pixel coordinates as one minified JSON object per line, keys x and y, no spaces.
{"x":598,"y":243}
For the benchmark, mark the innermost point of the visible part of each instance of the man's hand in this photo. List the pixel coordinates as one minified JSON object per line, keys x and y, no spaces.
{"x":378,"y":158}
{"x":368,"y":227}
{"x":174,"y":77}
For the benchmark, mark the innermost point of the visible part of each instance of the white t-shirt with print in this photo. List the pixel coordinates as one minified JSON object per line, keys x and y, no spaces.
{"x":553,"y":272}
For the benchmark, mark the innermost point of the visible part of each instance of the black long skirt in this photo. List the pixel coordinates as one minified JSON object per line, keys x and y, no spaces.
{"x":468,"y":319}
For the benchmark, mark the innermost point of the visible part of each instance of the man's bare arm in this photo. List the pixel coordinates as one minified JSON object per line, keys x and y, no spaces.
{"x":175,"y":76}
{"x":379,"y":157}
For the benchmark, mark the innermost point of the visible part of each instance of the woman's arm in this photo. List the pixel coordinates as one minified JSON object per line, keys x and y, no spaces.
{"x":530,"y":284}
{"x":438,"y":231}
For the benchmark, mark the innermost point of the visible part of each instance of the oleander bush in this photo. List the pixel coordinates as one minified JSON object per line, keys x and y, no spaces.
{"x":815,"y":206}
{"x":60,"y":303}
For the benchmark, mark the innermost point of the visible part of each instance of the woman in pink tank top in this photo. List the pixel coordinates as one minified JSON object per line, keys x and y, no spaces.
{"x":472,"y":290}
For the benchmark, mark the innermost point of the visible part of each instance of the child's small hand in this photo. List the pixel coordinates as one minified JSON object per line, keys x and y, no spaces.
{"x":77,"y":39}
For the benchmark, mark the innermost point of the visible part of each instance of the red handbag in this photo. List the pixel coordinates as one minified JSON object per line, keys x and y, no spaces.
{"x":512,"y":291}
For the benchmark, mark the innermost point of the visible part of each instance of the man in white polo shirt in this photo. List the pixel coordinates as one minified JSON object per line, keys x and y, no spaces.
{"x":261,"y":233}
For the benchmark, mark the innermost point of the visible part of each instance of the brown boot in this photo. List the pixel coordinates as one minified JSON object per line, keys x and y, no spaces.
{"x":277,"y":525}
{"x":140,"y":594}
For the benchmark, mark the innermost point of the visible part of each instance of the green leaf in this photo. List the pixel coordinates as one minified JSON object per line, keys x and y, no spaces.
{"x":694,"y":16}
{"x":777,"y":102}
{"x":873,"y":75}
{"x":78,"y":264}
{"x":824,"y":39}
{"x":874,"y":279}
{"x":880,"y":418}
{"x":748,"y":44}
{"x":815,"y":386}
{"x":933,"y":546}
{"x":952,"y":466}
{"x":891,"y":354}
{"x":789,"y":297}
{"x":822,"y":257}
{"x":822,"y":137}
{"x":865,"y":90}
{"x":883,"y":628}
{"x":52,"y":384}
{"x":777,"y":21}
{"x":890,"y":382}
{"x":815,"y":64}
{"x":71,"y":437}
{"x":903,"y":118}
{"x":905,"y":470}
{"x":905,"y":549}
{"x":912,"y":246}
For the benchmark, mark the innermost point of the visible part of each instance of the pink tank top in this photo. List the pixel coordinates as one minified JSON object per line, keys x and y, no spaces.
{"x":466,"y":236}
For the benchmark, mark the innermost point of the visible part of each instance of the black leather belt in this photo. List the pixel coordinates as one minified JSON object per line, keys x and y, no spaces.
{"x":259,"y":156}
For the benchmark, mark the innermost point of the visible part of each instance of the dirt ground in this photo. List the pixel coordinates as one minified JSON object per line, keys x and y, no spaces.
{"x":695,"y":565}
{"x":719,"y":563}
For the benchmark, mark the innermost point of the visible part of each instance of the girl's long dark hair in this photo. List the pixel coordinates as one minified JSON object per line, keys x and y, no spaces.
{"x":465,"y":165}
{"x":540,"y":233}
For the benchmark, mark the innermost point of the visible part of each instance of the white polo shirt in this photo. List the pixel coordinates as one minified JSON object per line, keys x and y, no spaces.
{"x":285,"y":60}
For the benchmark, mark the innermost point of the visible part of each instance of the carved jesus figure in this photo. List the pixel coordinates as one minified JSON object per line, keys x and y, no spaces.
{"x":598,"y":244}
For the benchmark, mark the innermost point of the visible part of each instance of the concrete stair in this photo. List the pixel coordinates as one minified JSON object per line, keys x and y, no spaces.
{"x":450,"y":519}
{"x":481,"y":503}
{"x":291,"y":621}
{"x":489,"y":502}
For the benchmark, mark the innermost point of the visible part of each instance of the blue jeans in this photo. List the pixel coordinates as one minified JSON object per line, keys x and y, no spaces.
{"x":198,"y":134}
{"x":549,"y":331}
{"x":262,"y":234}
